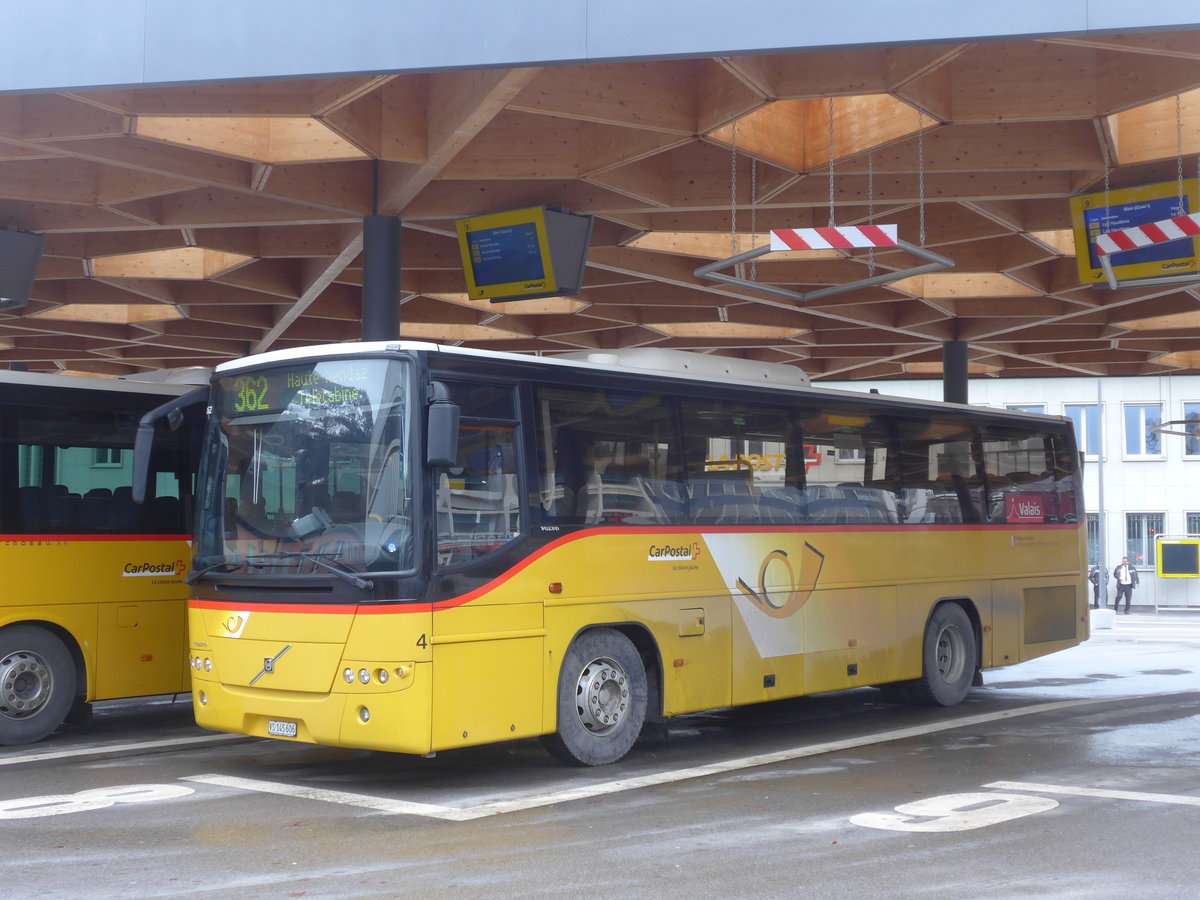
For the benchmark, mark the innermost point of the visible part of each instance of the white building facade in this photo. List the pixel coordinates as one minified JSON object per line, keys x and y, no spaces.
{"x":1139,"y":483}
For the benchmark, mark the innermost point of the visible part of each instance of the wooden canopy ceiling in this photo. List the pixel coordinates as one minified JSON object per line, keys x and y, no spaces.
{"x":191,"y":225}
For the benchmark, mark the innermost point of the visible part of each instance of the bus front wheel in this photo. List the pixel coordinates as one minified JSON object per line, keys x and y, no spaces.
{"x":950,"y":656}
{"x":601,"y":699}
{"x":37,"y":684}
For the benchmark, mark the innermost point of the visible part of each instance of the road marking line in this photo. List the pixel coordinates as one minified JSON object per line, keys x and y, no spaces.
{"x":166,"y":743}
{"x":1178,"y":799}
{"x":345,"y":798}
{"x":463,"y":814}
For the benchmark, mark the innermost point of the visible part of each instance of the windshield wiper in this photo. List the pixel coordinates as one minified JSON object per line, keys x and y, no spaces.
{"x":193,"y":577}
{"x":315,"y":558}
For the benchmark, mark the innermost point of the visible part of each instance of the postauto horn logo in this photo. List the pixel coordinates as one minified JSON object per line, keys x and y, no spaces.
{"x":154,"y":569}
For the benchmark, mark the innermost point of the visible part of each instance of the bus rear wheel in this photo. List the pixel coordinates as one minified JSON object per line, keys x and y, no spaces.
{"x":601,"y":699}
{"x":950,"y":657}
{"x":37,"y":684}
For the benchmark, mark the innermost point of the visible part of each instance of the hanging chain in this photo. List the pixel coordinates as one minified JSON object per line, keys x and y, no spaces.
{"x":1107,"y":206}
{"x":733,"y":248}
{"x":921,"y":175}
{"x":871,"y":207}
{"x":1179,"y":150}
{"x":754,"y":216}
{"x":830,"y":148}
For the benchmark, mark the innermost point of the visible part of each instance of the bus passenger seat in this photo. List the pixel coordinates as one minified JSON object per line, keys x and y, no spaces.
{"x":782,"y":506}
{"x":33,"y":510}
{"x":166,"y":516}
{"x":669,"y":499}
{"x":95,"y":511}
{"x":346,"y":506}
{"x":126,"y":515}
{"x":722,"y":501}
{"x":64,"y":510}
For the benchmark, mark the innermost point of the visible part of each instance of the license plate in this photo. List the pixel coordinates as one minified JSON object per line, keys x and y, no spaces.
{"x":281,"y":729}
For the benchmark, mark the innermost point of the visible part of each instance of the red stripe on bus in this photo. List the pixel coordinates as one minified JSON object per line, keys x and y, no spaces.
{"x":95,"y":537}
{"x":400,"y":608}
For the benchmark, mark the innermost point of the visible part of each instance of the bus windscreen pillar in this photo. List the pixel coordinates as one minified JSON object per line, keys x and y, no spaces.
{"x":381,"y":278}
{"x":954,"y":371}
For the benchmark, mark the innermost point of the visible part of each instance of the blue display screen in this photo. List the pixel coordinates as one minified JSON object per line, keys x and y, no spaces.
{"x":1126,"y":215}
{"x":506,"y":255}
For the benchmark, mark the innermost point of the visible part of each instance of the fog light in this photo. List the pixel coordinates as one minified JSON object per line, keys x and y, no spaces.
{"x":364,"y":676}
{"x":364,"y":714}
{"x":382,"y":676}
{"x":349,"y":676}
{"x":203,"y":699}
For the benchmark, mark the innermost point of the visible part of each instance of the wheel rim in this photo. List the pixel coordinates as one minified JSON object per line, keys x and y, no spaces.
{"x":951,"y":654}
{"x":602,"y":695}
{"x":25,"y":684}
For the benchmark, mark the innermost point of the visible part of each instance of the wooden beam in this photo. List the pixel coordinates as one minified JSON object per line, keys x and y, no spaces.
{"x":317,"y":278}
{"x":461,"y":104}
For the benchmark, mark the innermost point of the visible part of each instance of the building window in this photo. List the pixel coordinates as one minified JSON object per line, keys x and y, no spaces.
{"x":1140,"y":418}
{"x":1027,"y":407}
{"x":1086,"y":417}
{"x":1193,"y":523}
{"x":1191,"y":443}
{"x":1093,"y":538}
{"x":1140,"y":529}
{"x":103,"y":456}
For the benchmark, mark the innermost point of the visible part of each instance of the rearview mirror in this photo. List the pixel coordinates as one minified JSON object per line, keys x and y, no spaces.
{"x":442,"y":446}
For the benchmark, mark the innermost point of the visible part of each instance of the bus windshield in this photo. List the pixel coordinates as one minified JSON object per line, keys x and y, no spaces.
{"x":307,"y":470}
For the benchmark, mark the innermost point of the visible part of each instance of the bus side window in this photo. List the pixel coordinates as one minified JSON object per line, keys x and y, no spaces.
{"x":850,"y":464}
{"x":477,"y":500}
{"x":942,"y":484}
{"x":606,"y":457}
{"x":1029,"y":480}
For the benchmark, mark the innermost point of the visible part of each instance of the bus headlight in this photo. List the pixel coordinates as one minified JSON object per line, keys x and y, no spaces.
{"x":348,"y":674}
{"x":364,"y":676}
{"x":382,"y":676}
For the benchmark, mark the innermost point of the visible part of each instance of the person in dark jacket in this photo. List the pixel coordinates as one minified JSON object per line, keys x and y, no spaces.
{"x":1094,"y":578}
{"x":1127,"y":579}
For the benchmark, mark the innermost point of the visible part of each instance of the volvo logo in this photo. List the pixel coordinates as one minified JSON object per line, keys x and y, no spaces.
{"x":269,"y":664}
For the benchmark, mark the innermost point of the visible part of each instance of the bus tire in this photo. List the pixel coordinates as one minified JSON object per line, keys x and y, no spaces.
{"x":949,"y":659}
{"x":601,"y":699}
{"x":37,"y":684}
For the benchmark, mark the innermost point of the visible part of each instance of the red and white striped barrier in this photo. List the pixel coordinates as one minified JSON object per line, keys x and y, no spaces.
{"x":841,"y":238}
{"x":1149,"y":233}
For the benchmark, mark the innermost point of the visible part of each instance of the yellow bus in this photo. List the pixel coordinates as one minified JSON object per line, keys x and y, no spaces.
{"x":412,"y":548}
{"x":94,"y":606}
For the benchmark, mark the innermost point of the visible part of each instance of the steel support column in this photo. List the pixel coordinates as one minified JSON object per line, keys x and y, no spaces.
{"x":381,"y":278}
{"x":954,"y":371}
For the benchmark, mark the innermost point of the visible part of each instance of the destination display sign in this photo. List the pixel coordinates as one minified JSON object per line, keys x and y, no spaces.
{"x":314,"y":387}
